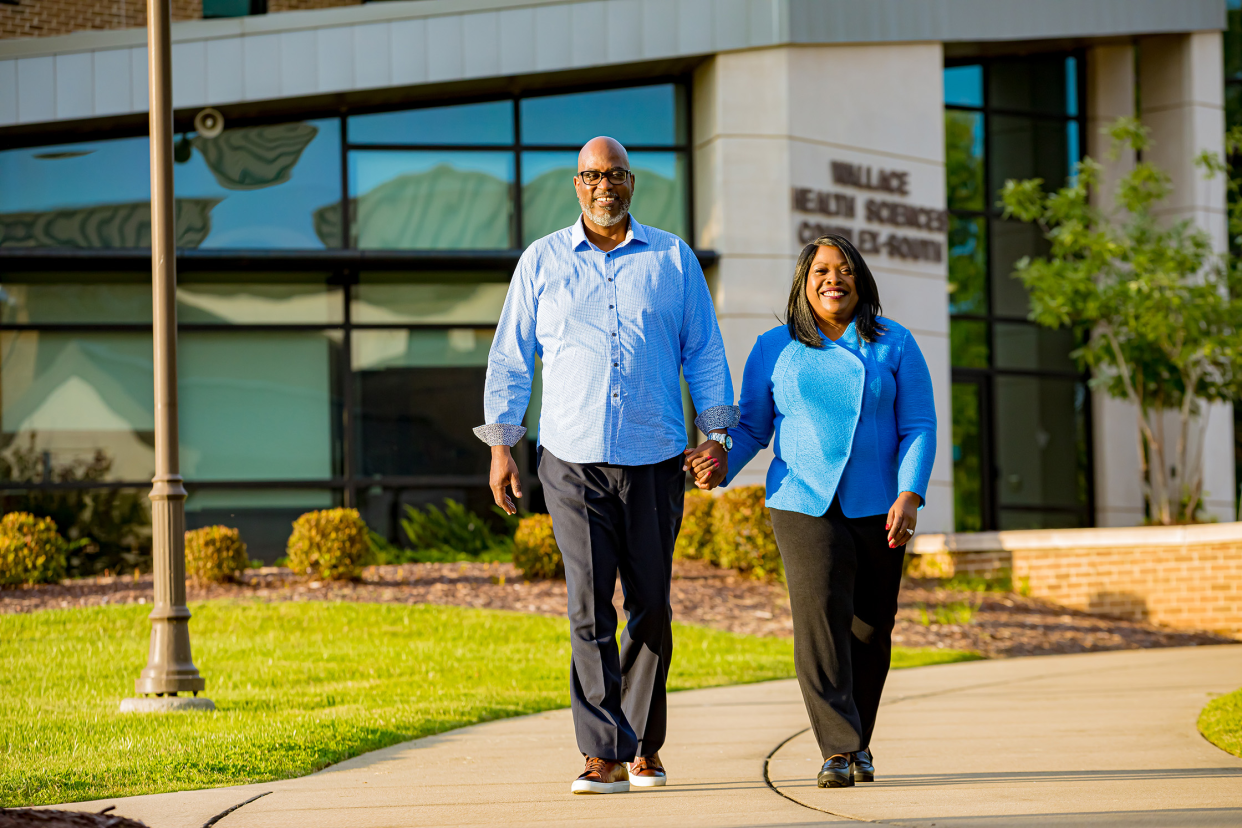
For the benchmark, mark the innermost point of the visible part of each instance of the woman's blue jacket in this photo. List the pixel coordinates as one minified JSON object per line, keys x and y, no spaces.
{"x":853,"y":418}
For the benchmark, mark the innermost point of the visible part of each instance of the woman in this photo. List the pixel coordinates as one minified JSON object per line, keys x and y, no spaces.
{"x":849,"y":398}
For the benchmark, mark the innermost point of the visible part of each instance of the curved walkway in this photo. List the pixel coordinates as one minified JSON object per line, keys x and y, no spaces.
{"x":1102,"y":739}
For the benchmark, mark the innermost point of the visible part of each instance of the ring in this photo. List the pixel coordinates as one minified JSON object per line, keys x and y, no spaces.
{"x":909,"y":531}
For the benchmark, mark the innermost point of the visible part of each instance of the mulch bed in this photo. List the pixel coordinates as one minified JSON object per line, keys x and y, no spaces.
{"x":1000,"y":624}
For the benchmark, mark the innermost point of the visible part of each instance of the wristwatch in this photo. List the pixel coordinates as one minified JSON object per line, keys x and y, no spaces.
{"x":724,"y":440}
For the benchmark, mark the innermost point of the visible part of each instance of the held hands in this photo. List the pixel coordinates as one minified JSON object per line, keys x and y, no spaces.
{"x":708,"y":463}
{"x":504,"y":473}
{"x":902,"y":516}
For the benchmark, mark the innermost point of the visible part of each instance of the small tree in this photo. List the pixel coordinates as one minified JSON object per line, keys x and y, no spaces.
{"x":1157,"y":308}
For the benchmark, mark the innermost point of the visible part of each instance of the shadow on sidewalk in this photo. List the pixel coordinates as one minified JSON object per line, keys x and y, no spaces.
{"x":1051,"y":777}
{"x":1181,"y":817}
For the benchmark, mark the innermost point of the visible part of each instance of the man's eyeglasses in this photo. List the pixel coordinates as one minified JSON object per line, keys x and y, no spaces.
{"x":615,"y":176}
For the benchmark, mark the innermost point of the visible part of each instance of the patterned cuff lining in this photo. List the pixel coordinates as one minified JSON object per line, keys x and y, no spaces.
{"x":718,"y":416}
{"x":500,"y":434}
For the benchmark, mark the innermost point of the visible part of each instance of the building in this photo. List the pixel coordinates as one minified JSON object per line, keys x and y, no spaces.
{"x":347,"y":239}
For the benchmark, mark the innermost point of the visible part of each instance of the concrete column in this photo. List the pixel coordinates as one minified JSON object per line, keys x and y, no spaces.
{"x":1181,"y":91}
{"x":1115,"y":435}
{"x":768,"y":121}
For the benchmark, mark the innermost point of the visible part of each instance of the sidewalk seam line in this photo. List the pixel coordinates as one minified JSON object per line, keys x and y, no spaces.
{"x":223,"y":814}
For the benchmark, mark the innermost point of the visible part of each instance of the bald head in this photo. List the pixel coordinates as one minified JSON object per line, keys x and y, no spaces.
{"x":605,"y":202}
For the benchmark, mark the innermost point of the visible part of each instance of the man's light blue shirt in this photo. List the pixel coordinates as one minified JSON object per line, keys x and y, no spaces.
{"x":614,"y":330}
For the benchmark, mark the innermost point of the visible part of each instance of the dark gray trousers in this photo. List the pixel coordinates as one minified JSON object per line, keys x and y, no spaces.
{"x":609,"y":519}
{"x":843,"y":582}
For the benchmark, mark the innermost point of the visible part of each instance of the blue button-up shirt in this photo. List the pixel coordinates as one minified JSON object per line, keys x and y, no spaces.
{"x":614,"y":330}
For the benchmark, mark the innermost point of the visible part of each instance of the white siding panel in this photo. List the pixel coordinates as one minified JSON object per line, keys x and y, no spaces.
{"x":138,"y":78}
{"x":336,"y":58}
{"x":517,"y":42}
{"x":482,"y":32}
{"x":189,"y":73}
{"x":764,"y":15}
{"x":588,"y":42}
{"x":731,"y":24}
{"x":261,"y":58}
{"x":694,"y":26}
{"x":659,"y":28}
{"x":36,"y":89}
{"x":75,"y":86}
{"x":372,"y":58}
{"x":299,"y":65}
{"x":552,"y":35}
{"x":625,"y":30}
{"x":225,"y":71}
{"x":409,"y":52}
{"x":113,"y":86}
{"x":444,"y":47}
{"x":8,"y":92}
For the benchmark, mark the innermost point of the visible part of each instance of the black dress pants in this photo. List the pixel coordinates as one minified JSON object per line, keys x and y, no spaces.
{"x":843,"y":581}
{"x":611,"y":519}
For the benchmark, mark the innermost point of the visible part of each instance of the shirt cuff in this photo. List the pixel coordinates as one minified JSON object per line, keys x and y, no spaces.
{"x":718,"y":416}
{"x":500,"y":434}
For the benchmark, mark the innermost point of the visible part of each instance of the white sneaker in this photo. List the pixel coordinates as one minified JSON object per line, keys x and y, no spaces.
{"x":647,"y":772}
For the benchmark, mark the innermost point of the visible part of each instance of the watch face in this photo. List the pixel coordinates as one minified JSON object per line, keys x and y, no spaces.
{"x":728,"y":442}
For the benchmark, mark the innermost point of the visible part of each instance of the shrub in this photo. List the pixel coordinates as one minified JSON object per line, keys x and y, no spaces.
{"x":330,"y":544}
{"x":742,"y":532}
{"x":534,"y":548}
{"x":454,"y":534}
{"x":215,"y":554}
{"x":31,"y":550}
{"x":694,"y":541}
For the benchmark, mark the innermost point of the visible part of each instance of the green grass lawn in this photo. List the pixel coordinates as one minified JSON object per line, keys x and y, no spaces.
{"x":1221,"y":722}
{"x":298,"y":686}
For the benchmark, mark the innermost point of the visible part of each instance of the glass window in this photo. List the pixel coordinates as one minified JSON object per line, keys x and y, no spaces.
{"x":257,"y":406}
{"x":968,"y":343}
{"x":963,"y":86}
{"x":262,"y":186}
{"x":642,"y":116}
{"x":429,"y":200}
{"x":1041,"y":442}
{"x":420,"y":394}
{"x":269,"y":298}
{"x":968,"y":473}
{"x":460,"y":303}
{"x":968,"y":266}
{"x":487,"y":124}
{"x":1233,"y":41}
{"x":964,"y":159}
{"x":549,"y":202}
{"x":1029,"y":84}
{"x":263,"y":516}
{"x":1027,"y":346}
{"x":1011,"y":240}
{"x":1020,"y":147}
{"x":75,"y":404}
{"x":69,"y":298}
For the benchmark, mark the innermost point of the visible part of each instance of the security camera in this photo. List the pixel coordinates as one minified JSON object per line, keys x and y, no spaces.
{"x":209,"y":123}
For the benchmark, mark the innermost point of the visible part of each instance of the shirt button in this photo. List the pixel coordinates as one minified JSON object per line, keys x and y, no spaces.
{"x":610,"y":278}
{"x":614,"y":365}
{"x":610,"y":307}
{"x":614,"y":334}
{"x":616,"y":395}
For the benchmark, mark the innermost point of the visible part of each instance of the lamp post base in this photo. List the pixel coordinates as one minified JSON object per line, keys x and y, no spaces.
{"x":166,"y":704}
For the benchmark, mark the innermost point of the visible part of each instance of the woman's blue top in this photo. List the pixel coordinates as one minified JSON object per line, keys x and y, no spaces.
{"x":853,"y":418}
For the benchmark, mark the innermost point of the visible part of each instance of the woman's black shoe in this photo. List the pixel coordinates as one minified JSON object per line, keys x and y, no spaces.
{"x":836,"y":773}
{"x":861,"y":767}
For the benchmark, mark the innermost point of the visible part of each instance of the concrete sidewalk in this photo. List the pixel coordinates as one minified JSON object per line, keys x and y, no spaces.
{"x":1103,"y":739}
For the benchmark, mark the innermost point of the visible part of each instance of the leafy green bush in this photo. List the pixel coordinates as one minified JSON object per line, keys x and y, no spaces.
{"x":330,"y":544}
{"x":742,"y":532}
{"x":1001,"y":582}
{"x":31,"y":550}
{"x":694,"y":541}
{"x":215,"y":554}
{"x":534,"y":548}
{"x":454,"y":534}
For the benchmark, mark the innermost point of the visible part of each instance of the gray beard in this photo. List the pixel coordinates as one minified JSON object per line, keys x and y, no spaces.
{"x":607,"y":220}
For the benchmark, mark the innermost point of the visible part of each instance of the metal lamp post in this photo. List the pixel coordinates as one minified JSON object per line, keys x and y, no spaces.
{"x":169,"y":669}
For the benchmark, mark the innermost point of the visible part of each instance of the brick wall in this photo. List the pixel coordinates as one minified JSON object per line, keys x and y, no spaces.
{"x":44,"y":18}
{"x":1186,"y":577}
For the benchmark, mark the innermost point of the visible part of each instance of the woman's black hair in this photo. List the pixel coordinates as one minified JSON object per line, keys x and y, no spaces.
{"x":799,"y":317}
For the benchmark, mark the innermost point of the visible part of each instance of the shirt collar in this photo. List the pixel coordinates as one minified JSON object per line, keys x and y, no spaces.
{"x":636,"y":232}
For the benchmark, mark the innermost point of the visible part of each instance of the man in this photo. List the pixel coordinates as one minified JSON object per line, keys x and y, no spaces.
{"x":616,"y":311}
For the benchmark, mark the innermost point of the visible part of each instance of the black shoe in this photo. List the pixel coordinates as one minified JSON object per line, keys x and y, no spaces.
{"x":861,"y":767}
{"x":836,"y":773}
